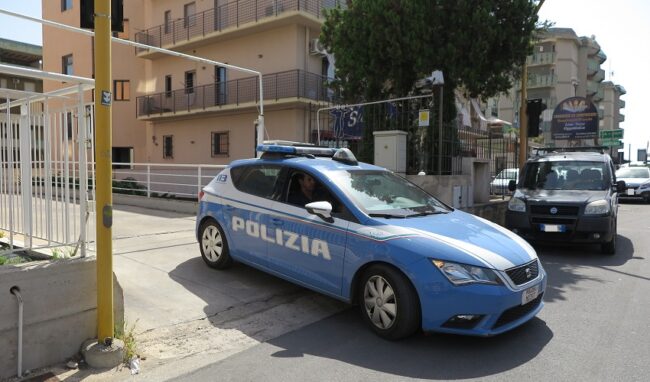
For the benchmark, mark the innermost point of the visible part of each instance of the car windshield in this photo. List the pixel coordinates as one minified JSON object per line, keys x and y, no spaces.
{"x":567,"y":175}
{"x":510,"y":174}
{"x":383,"y":194}
{"x":631,"y":172}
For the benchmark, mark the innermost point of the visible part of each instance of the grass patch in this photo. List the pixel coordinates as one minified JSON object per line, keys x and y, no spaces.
{"x":126,"y":333}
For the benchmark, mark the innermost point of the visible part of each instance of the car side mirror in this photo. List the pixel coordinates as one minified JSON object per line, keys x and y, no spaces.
{"x":621,"y":186}
{"x":512,"y":185}
{"x":321,"y":209}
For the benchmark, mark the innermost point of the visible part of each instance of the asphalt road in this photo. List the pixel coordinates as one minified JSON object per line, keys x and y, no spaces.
{"x":595,"y":327}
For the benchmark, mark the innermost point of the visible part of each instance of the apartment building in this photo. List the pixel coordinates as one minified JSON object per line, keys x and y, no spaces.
{"x":72,"y":53}
{"x":563,"y":65}
{"x":20,"y":54}
{"x":201,"y":113}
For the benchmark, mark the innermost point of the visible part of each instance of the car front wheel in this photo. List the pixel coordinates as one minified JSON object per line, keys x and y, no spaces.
{"x":213,"y":244}
{"x":609,"y":248}
{"x":389,"y":304}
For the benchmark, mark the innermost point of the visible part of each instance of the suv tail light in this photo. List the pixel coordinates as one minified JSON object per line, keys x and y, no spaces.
{"x":201,"y":193}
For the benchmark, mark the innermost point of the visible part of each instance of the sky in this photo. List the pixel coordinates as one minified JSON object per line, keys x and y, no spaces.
{"x":621,"y":28}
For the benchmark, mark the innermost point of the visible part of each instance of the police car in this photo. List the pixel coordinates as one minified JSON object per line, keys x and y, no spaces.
{"x":359,"y":233}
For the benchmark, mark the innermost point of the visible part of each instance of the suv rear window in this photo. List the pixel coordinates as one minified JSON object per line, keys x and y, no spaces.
{"x":567,"y":175}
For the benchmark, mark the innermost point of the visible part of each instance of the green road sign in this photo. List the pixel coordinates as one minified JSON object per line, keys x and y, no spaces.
{"x":611,"y":134}
{"x":614,"y":143}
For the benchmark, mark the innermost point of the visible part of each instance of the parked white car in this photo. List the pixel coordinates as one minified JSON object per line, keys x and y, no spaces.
{"x":499,"y":184}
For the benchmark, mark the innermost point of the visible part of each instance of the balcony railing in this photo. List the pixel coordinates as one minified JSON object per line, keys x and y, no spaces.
{"x":621,"y":104}
{"x":540,"y":81}
{"x":545,"y":58}
{"x":621,"y":117}
{"x":289,"y":84}
{"x":232,"y":14}
{"x":599,"y":76}
{"x":593,"y":66}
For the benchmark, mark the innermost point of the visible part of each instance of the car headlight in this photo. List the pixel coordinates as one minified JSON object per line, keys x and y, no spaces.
{"x":516,"y":204}
{"x":645,"y":185}
{"x":460,"y":274}
{"x":599,"y":207}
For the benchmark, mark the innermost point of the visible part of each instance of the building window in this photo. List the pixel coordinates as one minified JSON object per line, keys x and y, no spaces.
{"x":221,"y":83}
{"x":168,"y":86}
{"x":66,"y":62}
{"x":189,"y":81}
{"x":168,"y":147}
{"x":219,"y":144}
{"x":122,"y":157}
{"x":123,"y":35}
{"x":168,"y":21}
{"x":121,"y":90}
{"x":65,"y":5}
{"x":189,"y":10}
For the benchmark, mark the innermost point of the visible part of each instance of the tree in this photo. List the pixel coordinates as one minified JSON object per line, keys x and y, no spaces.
{"x":383,"y":46}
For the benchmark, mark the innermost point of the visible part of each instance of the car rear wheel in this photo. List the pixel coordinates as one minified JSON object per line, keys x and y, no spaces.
{"x":389,"y":304}
{"x":609,"y":248}
{"x":214,"y":247}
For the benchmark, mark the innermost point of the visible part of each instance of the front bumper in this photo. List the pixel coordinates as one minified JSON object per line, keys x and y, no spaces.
{"x":500,"y":307}
{"x":578,"y":229}
{"x":637,"y":193}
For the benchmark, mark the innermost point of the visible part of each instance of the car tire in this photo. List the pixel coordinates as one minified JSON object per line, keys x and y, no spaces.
{"x":609,"y":248}
{"x":213,"y":245}
{"x":389,"y":303}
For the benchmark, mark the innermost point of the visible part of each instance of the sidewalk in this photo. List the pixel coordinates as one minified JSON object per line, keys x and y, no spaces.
{"x":186,"y":314}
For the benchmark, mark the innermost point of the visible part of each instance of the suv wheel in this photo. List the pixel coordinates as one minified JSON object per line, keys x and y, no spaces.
{"x":609,"y":248}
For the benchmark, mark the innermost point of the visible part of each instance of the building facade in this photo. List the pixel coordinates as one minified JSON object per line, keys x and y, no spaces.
{"x":72,"y":53}
{"x":20,"y":54}
{"x":563,"y":65}
{"x":200,"y":113}
{"x":168,"y":109}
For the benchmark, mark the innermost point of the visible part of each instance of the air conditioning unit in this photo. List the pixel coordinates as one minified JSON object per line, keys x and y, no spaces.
{"x":316,"y":47}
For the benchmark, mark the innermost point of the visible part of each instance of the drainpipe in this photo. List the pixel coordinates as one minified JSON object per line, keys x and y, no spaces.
{"x":16,"y":292}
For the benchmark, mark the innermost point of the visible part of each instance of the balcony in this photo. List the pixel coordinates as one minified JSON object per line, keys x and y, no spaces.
{"x":232,"y":15}
{"x":599,"y":76}
{"x":621,"y":104}
{"x":592,"y":87}
{"x":293,"y":84}
{"x":592,"y":67}
{"x":546,"y":58}
{"x":541,"y":81}
{"x":621,"y":118}
{"x":598,"y":96}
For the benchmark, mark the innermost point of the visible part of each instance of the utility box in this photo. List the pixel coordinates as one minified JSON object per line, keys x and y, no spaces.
{"x":390,"y":150}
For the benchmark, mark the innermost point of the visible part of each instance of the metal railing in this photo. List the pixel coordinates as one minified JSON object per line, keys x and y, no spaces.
{"x":170,"y":181}
{"x":232,"y":14}
{"x":541,"y":58}
{"x":543,"y":80}
{"x":293,"y":83}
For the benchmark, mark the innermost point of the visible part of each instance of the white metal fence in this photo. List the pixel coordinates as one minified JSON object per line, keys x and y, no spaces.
{"x":179,"y":181}
{"x":45,"y":176}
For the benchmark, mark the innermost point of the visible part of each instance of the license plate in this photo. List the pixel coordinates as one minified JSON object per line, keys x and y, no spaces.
{"x":529,"y":295}
{"x":552,"y":227}
{"x":630,"y":191}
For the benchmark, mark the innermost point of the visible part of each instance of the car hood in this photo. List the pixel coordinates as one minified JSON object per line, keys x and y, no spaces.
{"x":560,"y":196}
{"x":480,"y":241}
{"x":634,"y":182}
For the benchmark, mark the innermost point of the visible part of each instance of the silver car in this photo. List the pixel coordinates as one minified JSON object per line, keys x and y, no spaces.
{"x":499,"y":184}
{"x":637,"y":180}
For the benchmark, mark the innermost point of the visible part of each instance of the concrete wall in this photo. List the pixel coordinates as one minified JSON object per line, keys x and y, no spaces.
{"x":60,"y":308}
{"x":442,"y":187}
{"x":494,"y":211}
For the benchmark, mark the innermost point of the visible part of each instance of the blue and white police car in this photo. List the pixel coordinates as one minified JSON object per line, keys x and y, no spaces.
{"x":361,"y":234}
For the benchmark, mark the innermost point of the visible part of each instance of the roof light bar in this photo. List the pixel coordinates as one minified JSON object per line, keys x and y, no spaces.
{"x":297,"y":150}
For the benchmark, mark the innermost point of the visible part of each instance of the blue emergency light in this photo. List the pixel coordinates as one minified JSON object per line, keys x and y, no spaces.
{"x":302,"y":149}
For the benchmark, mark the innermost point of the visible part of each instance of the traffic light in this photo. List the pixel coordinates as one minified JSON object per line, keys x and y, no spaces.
{"x":534,"y":109}
{"x":87,"y":15}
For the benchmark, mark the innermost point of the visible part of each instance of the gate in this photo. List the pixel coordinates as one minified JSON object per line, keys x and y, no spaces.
{"x":46,"y":178}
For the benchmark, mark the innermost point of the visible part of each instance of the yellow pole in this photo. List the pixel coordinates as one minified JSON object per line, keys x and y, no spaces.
{"x":104,"y":198}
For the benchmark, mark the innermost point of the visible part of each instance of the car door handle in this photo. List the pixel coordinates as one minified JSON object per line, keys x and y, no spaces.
{"x":276,"y":221}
